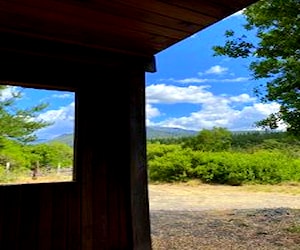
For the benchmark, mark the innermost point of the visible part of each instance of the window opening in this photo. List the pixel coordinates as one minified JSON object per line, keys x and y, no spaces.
{"x":36,"y":135}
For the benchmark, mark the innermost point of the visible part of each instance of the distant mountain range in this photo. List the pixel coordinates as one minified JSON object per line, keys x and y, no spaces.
{"x":151,"y":133}
{"x":164,"y":132}
{"x":65,"y":138}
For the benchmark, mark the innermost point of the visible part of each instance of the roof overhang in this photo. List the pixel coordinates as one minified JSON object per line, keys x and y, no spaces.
{"x":79,"y":29}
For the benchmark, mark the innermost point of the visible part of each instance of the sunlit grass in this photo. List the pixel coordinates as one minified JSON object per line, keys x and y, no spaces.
{"x":26,"y":178}
{"x":42,"y":179}
{"x":285,"y":188}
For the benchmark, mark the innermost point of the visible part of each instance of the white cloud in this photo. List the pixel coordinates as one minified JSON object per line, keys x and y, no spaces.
{"x":63,"y":96}
{"x":238,"y":79}
{"x":63,"y":113}
{"x":242,"y":98}
{"x":8,"y":92}
{"x":161,"y":93}
{"x":202,"y":80}
{"x":63,"y":119}
{"x":151,"y":112}
{"x":213,"y":111}
{"x":268,"y":108}
{"x":221,"y":115}
{"x":217,"y":69}
{"x":192,"y":80}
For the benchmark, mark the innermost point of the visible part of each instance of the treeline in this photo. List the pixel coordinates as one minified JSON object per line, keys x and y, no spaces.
{"x":22,"y":159}
{"x":220,"y":156}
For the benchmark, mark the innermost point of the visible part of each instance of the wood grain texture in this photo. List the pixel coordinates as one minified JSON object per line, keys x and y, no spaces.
{"x":143,"y":27}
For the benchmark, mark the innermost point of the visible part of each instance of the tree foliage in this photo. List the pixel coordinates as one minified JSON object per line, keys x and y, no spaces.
{"x":51,"y":155}
{"x":253,"y":158}
{"x":12,"y":153}
{"x":16,"y":123}
{"x":275,"y":57}
{"x":214,"y":140}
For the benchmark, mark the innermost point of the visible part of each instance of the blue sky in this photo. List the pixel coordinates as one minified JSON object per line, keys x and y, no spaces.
{"x":60,"y":110}
{"x":191,"y":89}
{"x":194,"y":90}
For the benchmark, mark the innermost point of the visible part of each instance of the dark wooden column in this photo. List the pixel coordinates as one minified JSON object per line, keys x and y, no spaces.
{"x":111,"y":159}
{"x":138,"y":167}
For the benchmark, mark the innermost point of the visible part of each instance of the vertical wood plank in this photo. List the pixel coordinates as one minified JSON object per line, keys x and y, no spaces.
{"x":10,"y":221}
{"x":138,"y":162}
{"x":118,"y":164}
{"x":100,"y":196}
{"x":73,"y":218}
{"x":59,"y":216}
{"x":29,"y":208}
{"x":91,"y":170}
{"x":45,"y":217}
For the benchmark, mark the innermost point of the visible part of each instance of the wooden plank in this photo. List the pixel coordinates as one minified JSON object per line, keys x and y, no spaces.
{"x":45,"y":217}
{"x":214,"y":9}
{"x":29,"y":211}
{"x":10,"y":217}
{"x":141,"y":46}
{"x":73,"y":217}
{"x":100,"y":197}
{"x":66,"y":22}
{"x":236,"y":5}
{"x":169,"y":10}
{"x":144,"y":27}
{"x":59,"y":215}
{"x":142,"y":16}
{"x":84,"y":163}
{"x":138,"y":170}
{"x":31,"y":70}
{"x":70,"y":18}
{"x":69,"y":61}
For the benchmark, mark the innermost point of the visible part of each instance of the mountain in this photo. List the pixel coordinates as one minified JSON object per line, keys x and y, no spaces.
{"x":65,"y":138}
{"x":164,"y":132}
{"x":151,"y":133}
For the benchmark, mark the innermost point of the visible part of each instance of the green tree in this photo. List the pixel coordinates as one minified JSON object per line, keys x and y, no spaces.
{"x":12,"y":153}
{"x":275,"y":57}
{"x":16,"y":123}
{"x":216,"y":139}
{"x":52,"y":155}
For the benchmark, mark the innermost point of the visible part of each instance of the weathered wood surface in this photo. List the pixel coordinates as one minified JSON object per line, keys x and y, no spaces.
{"x":125,"y":26}
{"x":106,"y":206}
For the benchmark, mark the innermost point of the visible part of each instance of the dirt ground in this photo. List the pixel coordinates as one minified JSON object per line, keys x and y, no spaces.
{"x":223,"y":217}
{"x":219,"y":197}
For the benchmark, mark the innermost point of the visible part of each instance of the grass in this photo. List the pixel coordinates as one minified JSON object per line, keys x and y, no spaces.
{"x":14,"y":179}
{"x":294,"y":229}
{"x":43,"y":179}
{"x":284,"y":188}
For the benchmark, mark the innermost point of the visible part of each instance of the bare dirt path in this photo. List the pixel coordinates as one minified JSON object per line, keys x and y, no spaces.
{"x":218,"y":197}
{"x":205,"y":217}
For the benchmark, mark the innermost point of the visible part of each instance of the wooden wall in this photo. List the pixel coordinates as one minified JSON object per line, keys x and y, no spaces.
{"x":106,"y":206}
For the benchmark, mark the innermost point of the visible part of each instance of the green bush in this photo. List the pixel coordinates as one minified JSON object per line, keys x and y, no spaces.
{"x":171,"y":163}
{"x":172,"y":166}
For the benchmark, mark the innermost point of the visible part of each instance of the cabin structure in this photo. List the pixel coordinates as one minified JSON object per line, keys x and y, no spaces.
{"x":100,"y":50}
